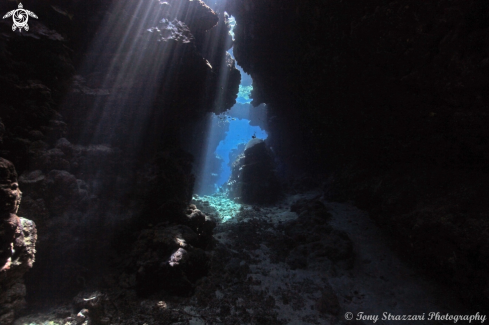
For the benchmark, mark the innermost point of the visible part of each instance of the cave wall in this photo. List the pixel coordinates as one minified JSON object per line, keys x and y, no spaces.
{"x":389,"y":99}
{"x":94,"y":173}
{"x":17,"y":245}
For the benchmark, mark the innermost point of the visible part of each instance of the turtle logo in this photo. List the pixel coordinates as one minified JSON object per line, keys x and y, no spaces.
{"x":20,"y":17}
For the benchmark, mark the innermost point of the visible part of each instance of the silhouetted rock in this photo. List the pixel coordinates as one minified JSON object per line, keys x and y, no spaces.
{"x":167,"y":258}
{"x":253,"y":179}
{"x":173,"y":106}
{"x":194,"y":13}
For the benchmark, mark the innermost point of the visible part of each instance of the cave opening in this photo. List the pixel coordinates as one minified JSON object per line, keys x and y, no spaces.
{"x":230,"y":131}
{"x":240,"y":132}
{"x":228,"y":134}
{"x":241,"y":128}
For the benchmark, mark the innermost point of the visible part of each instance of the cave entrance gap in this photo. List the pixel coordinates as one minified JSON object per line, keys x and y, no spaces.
{"x":229,"y":133}
{"x":241,"y":128}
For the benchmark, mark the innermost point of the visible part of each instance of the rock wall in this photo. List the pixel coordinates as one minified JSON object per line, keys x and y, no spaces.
{"x":390,"y":96}
{"x":17,"y":245}
{"x":134,"y":97}
{"x":98,"y":142}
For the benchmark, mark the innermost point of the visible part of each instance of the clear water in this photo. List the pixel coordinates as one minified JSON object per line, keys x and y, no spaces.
{"x":240,"y":131}
{"x":244,"y":95}
{"x":232,"y":22}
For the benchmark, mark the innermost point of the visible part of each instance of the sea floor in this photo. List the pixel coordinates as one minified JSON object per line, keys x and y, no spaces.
{"x":269,"y":267}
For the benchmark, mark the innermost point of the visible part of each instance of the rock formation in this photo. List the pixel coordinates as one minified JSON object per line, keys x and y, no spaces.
{"x":389,"y":95}
{"x":253,"y":179}
{"x":17,"y":245}
{"x":170,"y":257}
{"x":99,"y":148}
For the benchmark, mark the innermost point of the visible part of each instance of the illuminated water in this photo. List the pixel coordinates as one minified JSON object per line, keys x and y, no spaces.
{"x":240,"y":131}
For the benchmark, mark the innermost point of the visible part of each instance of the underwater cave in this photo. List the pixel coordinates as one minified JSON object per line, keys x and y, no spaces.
{"x":244,"y":162}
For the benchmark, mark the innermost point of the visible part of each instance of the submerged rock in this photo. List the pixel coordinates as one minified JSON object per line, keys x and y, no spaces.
{"x":180,"y":256}
{"x":170,"y":257}
{"x":253,"y":179}
{"x":195,"y":13}
{"x":17,"y":245}
{"x":90,"y":305}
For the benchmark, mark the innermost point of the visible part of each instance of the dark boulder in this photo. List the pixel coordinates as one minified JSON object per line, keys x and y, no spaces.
{"x":167,"y":259}
{"x":253,"y":179}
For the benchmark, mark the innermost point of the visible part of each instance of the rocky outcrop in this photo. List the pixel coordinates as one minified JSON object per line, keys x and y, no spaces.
{"x":152,"y":82}
{"x":69,"y":37}
{"x":170,"y":257}
{"x":17,"y":245}
{"x":195,"y":14}
{"x":31,"y":89}
{"x":389,"y":94}
{"x":101,"y":149}
{"x":253,"y":179}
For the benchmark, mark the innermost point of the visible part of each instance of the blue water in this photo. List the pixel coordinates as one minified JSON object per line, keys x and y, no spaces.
{"x":246,"y":85}
{"x":244,"y":95}
{"x":240,"y":131}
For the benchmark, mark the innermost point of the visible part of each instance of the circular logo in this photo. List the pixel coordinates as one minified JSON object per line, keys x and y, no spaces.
{"x":20,"y":17}
{"x":348,"y":316}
